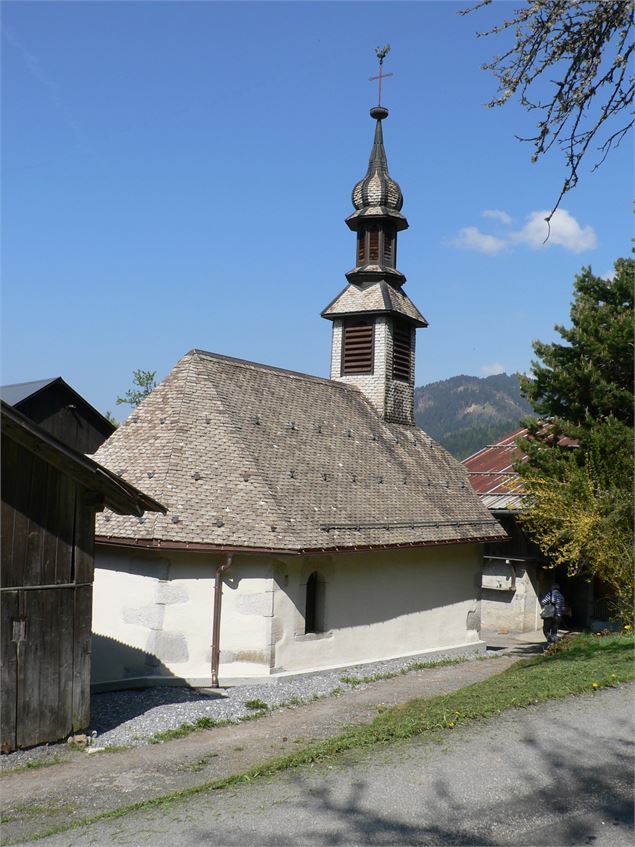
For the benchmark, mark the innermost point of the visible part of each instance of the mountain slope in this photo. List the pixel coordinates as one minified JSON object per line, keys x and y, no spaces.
{"x":464,"y":413}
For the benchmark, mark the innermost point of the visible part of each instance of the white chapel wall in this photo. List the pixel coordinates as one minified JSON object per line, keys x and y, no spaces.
{"x":379,"y":605}
{"x":152,"y":617}
{"x":152,"y":614}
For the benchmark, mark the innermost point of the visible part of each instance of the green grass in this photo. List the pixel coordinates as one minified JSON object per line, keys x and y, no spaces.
{"x":29,"y":766}
{"x":413,"y":666}
{"x":581,"y":665}
{"x":256,"y":705}
{"x":186,"y":729}
{"x":260,"y":708}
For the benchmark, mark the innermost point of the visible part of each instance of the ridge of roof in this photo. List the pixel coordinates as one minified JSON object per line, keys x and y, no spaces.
{"x":232,"y":360}
{"x":16,"y":392}
{"x":19,"y":392}
{"x":171,"y":456}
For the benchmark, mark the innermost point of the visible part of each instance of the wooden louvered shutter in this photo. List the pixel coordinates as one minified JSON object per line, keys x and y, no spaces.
{"x":401,"y":351}
{"x":357,"y":350}
{"x":361,"y":251}
{"x":373,"y":245}
{"x":387,"y":249}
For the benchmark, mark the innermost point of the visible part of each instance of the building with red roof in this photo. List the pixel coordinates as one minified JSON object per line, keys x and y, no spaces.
{"x":515,"y":572}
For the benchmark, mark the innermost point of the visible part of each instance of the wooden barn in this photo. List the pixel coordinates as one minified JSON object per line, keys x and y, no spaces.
{"x":60,"y":410}
{"x":50,"y":493}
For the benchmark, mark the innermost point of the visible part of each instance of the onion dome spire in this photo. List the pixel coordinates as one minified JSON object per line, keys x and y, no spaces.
{"x":377,"y":218}
{"x":377,"y":188}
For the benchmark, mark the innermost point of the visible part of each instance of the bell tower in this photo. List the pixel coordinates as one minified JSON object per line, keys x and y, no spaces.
{"x":374,"y":321}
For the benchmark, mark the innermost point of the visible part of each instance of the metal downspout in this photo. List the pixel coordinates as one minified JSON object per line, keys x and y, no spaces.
{"x":218,"y":599}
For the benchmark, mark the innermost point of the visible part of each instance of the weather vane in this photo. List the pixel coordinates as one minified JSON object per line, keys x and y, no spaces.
{"x":381,"y":53}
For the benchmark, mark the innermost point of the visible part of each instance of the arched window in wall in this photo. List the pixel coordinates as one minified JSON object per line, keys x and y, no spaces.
{"x":314,"y":614}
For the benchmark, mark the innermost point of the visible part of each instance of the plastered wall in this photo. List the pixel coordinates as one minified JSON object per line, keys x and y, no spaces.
{"x":378,"y":605}
{"x":152,"y":617}
{"x":517,"y":610}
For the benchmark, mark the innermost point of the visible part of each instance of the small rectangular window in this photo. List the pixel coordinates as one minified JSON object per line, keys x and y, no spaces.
{"x":401,"y":349}
{"x":357,"y":349}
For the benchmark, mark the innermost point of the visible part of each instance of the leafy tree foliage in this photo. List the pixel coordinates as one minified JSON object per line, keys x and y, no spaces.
{"x":143,"y":383}
{"x":580,"y":508}
{"x":111,"y":418}
{"x":569,"y":62}
{"x":591,"y":376}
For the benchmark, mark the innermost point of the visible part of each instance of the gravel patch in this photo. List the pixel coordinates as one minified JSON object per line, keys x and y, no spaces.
{"x":132,"y":717}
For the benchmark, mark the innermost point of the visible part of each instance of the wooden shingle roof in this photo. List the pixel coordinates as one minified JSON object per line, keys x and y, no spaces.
{"x":378,"y":298}
{"x":250,"y":456}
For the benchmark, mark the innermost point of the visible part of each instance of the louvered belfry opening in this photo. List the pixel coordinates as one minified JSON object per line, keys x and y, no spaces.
{"x":357,"y":349}
{"x":402,"y":344}
{"x":390,"y":242}
{"x":361,"y":247}
{"x":373,"y":245}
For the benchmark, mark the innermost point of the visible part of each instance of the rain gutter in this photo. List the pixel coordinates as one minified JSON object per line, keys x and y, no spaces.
{"x":218,"y":599}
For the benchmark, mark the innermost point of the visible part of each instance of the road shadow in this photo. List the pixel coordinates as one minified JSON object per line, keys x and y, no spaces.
{"x":562,"y":799}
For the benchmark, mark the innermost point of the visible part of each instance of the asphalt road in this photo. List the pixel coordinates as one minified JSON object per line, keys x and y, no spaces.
{"x":554,"y":774}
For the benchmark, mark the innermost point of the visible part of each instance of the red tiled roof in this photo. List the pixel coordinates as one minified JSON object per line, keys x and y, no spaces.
{"x":491,"y":470}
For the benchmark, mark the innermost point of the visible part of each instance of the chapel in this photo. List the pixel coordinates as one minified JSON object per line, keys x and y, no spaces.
{"x":310,"y":523}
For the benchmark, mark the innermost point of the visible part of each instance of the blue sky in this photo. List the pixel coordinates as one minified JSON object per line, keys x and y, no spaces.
{"x":177,"y":175}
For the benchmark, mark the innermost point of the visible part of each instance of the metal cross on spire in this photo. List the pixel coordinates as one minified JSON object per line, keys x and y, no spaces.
{"x":381,"y":53}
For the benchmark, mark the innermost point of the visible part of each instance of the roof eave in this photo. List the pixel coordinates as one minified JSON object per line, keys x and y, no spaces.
{"x":186,"y":546}
{"x":119,"y":495}
{"x":422,"y":324}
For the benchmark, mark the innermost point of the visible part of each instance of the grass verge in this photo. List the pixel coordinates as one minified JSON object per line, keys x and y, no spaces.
{"x":186,"y":729}
{"x":582,"y":665}
{"x":35,"y":765}
{"x":413,"y":666}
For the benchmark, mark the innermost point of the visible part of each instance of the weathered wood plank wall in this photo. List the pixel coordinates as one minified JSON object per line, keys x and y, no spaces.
{"x":46,"y":593}
{"x":60,"y":412}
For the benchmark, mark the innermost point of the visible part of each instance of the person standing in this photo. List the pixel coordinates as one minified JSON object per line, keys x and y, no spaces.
{"x":552,"y":607}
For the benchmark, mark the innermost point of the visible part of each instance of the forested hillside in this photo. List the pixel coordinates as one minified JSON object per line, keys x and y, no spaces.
{"x":464,"y":413}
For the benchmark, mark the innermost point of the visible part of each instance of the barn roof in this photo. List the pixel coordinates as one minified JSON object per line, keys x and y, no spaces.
{"x":118,"y":494}
{"x":250,"y":456}
{"x":19,"y":391}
